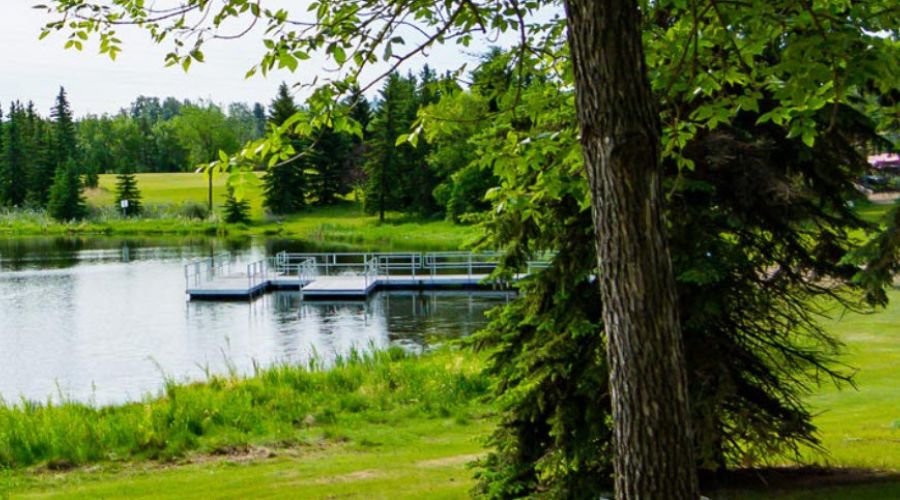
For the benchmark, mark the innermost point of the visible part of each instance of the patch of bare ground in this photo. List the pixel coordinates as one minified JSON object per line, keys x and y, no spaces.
{"x":359,"y":475}
{"x":795,"y":478}
{"x":232,"y":454}
{"x":450,"y":461}
{"x":884,"y":197}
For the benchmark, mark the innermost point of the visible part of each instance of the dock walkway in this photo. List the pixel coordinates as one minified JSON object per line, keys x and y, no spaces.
{"x":345,"y":276}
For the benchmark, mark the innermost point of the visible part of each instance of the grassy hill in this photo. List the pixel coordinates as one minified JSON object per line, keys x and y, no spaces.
{"x":176,"y":188}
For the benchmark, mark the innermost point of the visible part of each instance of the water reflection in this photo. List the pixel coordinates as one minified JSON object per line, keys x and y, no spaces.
{"x":106,"y":320}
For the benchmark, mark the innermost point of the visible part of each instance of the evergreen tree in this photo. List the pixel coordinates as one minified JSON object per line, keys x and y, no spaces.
{"x":66,"y":201}
{"x":422,"y":179}
{"x":361,"y":112}
{"x":284,"y":186}
{"x":13,"y":176}
{"x":43,"y":167}
{"x":331,"y":158}
{"x":236,"y":211}
{"x":127,"y":189}
{"x":259,"y":116}
{"x":387,"y":162}
{"x":283,"y":106}
{"x":65,"y":141}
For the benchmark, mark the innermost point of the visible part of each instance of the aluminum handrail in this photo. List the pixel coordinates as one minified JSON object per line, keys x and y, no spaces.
{"x":388,"y":263}
{"x":200,"y":271}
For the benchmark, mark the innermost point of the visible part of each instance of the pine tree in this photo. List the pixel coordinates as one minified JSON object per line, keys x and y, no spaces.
{"x":283,"y":106}
{"x":236,"y":211}
{"x":361,"y":111}
{"x":331,"y":159}
{"x":127,"y":189}
{"x":422,"y":179}
{"x":65,"y":142}
{"x":43,"y":167}
{"x":284,"y":186}
{"x":66,"y":201}
{"x":13,"y":176}
{"x":259,"y":117}
{"x":387,"y":163}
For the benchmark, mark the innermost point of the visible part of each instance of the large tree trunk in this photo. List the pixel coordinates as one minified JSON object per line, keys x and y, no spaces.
{"x":620,"y":141}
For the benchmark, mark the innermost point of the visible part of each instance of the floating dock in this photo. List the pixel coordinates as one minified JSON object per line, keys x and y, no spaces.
{"x":342,"y":276}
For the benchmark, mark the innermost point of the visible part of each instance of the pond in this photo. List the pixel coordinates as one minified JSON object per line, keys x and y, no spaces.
{"x":106,"y":321}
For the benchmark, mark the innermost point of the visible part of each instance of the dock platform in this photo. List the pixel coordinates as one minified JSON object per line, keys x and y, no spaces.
{"x":347,"y":276}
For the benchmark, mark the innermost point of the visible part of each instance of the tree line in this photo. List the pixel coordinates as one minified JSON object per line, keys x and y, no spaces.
{"x":386,"y":172}
{"x":171,"y":135}
{"x":39,"y":162}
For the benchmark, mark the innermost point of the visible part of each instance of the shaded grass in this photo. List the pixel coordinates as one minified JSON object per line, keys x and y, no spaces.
{"x":873,"y":212}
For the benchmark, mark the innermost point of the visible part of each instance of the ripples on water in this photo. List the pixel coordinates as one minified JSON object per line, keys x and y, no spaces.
{"x":104,"y":321}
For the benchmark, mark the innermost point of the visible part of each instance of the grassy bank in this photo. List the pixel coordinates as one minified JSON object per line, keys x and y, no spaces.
{"x":382,"y":428}
{"x":282,"y":405}
{"x":171,"y":199}
{"x":367,"y":411}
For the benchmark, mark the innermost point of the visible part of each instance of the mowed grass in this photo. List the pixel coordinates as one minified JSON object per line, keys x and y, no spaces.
{"x":861,"y":427}
{"x":177,"y":188}
{"x":343,"y":223}
{"x":421,"y":459}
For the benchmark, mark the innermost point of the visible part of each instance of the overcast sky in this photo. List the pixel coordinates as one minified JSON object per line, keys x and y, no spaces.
{"x":34,"y":70}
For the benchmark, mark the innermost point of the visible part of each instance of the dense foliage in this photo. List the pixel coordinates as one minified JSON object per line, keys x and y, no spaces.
{"x":66,"y":201}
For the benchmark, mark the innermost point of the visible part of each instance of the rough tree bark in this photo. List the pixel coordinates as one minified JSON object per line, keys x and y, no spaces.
{"x":620,"y":140}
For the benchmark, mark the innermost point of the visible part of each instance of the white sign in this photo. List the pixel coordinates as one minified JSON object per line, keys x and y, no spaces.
{"x":124,"y":203}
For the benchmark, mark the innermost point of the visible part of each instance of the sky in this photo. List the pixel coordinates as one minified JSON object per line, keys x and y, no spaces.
{"x":34,"y":70}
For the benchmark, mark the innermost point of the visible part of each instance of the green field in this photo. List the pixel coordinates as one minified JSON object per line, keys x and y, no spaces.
{"x":176,"y":188}
{"x":170,"y":193}
{"x":408,"y":448}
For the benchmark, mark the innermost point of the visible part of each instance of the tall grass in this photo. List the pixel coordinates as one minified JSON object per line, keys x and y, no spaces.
{"x":279,"y":405}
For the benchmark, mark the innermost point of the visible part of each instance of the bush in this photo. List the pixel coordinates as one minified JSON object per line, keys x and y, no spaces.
{"x":193,"y":210}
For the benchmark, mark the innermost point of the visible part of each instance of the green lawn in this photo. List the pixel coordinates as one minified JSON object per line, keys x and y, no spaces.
{"x":175,"y":188}
{"x":861,"y":428}
{"x":344,"y":223}
{"x":420,"y":459}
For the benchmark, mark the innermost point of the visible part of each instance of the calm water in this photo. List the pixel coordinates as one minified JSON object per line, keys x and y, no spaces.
{"x":104,"y":321}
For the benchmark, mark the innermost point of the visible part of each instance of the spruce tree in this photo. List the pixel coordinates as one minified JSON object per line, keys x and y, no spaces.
{"x":13,"y":177}
{"x":65,"y":142}
{"x":284,"y":186}
{"x":387,"y":163}
{"x":127,"y":189}
{"x":66,"y":201}
{"x":43,"y":166}
{"x":422,"y":179}
{"x":361,"y":111}
{"x":236,"y":211}
{"x":331,"y":160}
{"x":259,"y":118}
